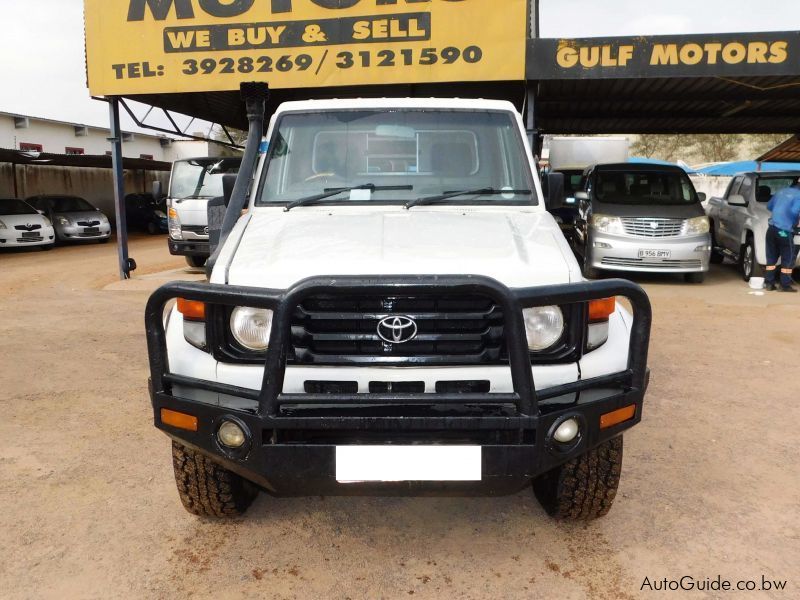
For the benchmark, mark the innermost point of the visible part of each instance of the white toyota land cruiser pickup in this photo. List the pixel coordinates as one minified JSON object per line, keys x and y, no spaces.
{"x":396,"y":312}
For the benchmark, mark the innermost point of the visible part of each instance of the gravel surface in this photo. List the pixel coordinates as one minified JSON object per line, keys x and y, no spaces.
{"x":88,"y":506}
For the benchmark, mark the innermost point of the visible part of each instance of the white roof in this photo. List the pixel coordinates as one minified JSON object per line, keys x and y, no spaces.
{"x":419,"y":103}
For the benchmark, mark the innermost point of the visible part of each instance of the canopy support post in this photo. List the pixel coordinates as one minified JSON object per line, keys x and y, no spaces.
{"x":125,"y":264}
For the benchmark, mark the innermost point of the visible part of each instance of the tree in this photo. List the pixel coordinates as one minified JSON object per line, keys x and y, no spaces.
{"x":661,"y":147}
{"x":761,"y":143}
{"x":718,"y":147}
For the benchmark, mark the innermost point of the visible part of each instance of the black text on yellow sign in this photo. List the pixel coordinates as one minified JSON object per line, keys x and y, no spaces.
{"x":153,"y":46}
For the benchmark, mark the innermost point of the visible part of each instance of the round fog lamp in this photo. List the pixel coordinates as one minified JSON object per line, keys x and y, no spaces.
{"x":567,"y":431}
{"x":231,"y":435}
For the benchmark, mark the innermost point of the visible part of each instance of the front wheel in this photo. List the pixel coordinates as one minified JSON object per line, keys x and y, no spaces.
{"x":585,"y":487}
{"x":208,"y":489}
{"x":196,"y":262}
{"x":748,"y":264}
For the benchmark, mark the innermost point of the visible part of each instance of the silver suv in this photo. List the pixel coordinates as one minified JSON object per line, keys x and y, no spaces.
{"x":641,"y":217}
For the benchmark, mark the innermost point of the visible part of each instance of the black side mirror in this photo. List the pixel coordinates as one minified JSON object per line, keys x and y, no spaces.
{"x":158,"y":191}
{"x":228,"y":183}
{"x":554,"y":190}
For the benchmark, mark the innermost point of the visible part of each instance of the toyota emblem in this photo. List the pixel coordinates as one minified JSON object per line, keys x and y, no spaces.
{"x":397,"y":330}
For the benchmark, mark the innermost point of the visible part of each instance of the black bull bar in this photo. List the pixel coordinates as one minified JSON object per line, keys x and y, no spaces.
{"x":533,"y":412}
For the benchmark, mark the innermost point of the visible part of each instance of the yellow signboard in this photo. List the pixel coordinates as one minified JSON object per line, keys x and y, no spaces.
{"x":167,"y":46}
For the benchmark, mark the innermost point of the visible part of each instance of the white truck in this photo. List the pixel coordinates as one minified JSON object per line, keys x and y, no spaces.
{"x":740,"y":219}
{"x":192,"y":183}
{"x":395,"y":312}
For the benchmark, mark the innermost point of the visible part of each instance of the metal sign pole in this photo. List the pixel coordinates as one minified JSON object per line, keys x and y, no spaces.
{"x":119,"y":188}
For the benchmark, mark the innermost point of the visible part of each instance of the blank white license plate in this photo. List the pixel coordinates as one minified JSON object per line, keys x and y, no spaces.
{"x":356,"y":464}
{"x":655,"y":253}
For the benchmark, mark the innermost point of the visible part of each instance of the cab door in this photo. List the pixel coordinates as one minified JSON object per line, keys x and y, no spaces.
{"x":738,"y":214}
{"x":724,"y":233}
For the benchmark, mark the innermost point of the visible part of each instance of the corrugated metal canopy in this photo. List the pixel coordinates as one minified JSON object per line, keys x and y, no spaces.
{"x":787,"y":152}
{"x":576,"y":106}
{"x":670,"y":105}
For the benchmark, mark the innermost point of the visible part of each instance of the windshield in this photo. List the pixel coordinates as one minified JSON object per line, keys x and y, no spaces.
{"x":65,"y":204}
{"x":396,"y":157}
{"x":644,"y":187}
{"x":201,"y":178}
{"x":11,"y":206}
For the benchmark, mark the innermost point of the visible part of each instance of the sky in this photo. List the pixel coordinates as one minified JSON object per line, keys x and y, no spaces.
{"x":42,"y":70}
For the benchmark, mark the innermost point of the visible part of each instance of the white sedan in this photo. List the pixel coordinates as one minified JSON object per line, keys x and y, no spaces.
{"x":23,"y":225}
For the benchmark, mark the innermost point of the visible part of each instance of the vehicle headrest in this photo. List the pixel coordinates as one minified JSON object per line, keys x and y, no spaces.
{"x":763,"y":194}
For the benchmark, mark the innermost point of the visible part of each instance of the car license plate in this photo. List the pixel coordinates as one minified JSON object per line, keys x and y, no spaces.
{"x":355,"y":464}
{"x":91,"y":230}
{"x":655,"y":253}
{"x":31,"y":235}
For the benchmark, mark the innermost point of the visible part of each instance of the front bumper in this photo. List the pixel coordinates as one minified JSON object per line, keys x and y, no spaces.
{"x":189,"y":247}
{"x":12,"y":238}
{"x":76,"y":233}
{"x":292,"y":438}
{"x":622,"y":253}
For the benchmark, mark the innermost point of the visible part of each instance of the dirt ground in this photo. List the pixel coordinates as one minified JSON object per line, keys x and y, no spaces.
{"x":88,"y":506}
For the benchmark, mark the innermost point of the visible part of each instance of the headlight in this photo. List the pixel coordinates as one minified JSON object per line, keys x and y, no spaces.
{"x":103,"y":219}
{"x":544,"y":326}
{"x":607,"y":224}
{"x":47,"y":222}
{"x":174,"y":224}
{"x":63,"y":221}
{"x":3,"y":225}
{"x":161,"y":214}
{"x":251,"y":327}
{"x":696,"y":226}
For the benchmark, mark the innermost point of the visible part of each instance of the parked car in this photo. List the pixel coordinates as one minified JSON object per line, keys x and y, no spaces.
{"x":739,"y":220}
{"x":74,"y":219}
{"x":144,"y":213}
{"x":23,"y":225}
{"x":641,"y":217}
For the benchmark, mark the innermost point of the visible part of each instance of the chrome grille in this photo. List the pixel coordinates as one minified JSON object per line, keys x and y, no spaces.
{"x":652,"y":263}
{"x":87,"y":223}
{"x":452,"y":330}
{"x":652,"y":228}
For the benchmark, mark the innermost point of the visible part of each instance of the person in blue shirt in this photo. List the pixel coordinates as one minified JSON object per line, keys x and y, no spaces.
{"x":785,"y":209}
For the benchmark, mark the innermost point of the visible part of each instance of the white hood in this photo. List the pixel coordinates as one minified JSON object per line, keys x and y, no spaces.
{"x":518,"y":248}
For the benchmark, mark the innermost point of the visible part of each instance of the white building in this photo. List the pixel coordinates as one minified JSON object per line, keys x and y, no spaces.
{"x":35,"y":134}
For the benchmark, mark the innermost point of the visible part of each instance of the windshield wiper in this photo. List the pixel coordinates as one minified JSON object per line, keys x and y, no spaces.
{"x":330,"y":192}
{"x":478,"y":192}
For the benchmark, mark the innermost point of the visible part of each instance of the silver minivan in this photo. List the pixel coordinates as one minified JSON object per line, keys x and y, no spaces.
{"x":641,"y":217}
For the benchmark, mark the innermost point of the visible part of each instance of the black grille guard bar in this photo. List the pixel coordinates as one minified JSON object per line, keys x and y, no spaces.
{"x":512,"y":301}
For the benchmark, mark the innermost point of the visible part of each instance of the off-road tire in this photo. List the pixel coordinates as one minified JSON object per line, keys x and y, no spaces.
{"x":207,"y":489}
{"x":748,"y":264}
{"x":694,"y":277}
{"x":585,"y":487}
{"x":196,"y":262}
